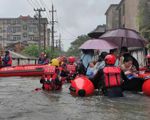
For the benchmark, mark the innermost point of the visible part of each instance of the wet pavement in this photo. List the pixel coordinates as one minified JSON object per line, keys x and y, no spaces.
{"x":20,"y":101}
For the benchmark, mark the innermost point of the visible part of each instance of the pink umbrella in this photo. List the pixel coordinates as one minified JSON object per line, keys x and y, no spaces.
{"x":124,"y":37}
{"x":98,"y":44}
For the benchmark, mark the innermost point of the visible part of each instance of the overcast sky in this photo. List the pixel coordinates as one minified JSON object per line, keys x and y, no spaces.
{"x":75,"y":17}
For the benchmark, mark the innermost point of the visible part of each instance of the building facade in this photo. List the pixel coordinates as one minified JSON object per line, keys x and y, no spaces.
{"x":128,"y":14}
{"x":123,"y":15}
{"x":22,"y":29}
{"x":112,"y":17}
{"x":127,"y":11}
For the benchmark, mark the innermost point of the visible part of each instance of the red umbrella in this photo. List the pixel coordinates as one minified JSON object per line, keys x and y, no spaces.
{"x":98,"y":44}
{"x":124,"y":37}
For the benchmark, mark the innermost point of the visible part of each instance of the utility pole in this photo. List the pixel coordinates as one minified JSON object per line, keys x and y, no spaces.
{"x":59,"y":44}
{"x":44,"y":25}
{"x":52,"y":29}
{"x":39,"y":25}
{"x":48,"y":37}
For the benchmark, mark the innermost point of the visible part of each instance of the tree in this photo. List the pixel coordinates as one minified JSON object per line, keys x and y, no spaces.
{"x":74,"y":49}
{"x":33,"y":50}
{"x":144,"y":18}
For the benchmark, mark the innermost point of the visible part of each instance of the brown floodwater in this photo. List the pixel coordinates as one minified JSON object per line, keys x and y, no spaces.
{"x":20,"y":101}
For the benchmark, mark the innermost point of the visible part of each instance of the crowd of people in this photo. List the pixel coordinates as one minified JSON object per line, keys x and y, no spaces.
{"x":113,"y":61}
{"x":111,"y":74}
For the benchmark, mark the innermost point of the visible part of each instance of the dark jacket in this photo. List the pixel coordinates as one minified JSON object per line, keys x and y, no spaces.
{"x":7,"y":60}
{"x":135,"y":62}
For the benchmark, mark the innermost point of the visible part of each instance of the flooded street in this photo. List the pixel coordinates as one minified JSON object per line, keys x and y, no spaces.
{"x":20,"y":101}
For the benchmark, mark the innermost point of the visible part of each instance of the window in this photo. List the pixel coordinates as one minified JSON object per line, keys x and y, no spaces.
{"x":18,"y":21}
{"x":24,"y":27}
{"x":16,"y":37}
{"x":33,"y":29}
{"x":9,"y":21}
{"x":31,"y":37}
{"x":16,"y":29}
{"x":1,"y":30}
{"x":24,"y":35}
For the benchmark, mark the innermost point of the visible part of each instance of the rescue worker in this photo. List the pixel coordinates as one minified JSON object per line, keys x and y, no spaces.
{"x":71,"y":68}
{"x":116,"y":54}
{"x":109,"y":80}
{"x":50,"y":78}
{"x":7,"y":59}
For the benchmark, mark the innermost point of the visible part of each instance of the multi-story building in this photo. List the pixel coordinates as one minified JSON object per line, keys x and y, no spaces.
{"x":123,"y":15}
{"x":112,"y":17}
{"x":128,"y":13}
{"x":22,"y":29}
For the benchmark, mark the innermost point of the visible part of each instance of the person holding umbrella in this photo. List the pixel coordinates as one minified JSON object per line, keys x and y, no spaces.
{"x":88,"y":48}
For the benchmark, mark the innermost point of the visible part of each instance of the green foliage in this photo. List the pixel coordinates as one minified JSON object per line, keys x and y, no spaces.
{"x":55,"y":53}
{"x":144,"y":18}
{"x":74,"y":49}
{"x":33,"y":50}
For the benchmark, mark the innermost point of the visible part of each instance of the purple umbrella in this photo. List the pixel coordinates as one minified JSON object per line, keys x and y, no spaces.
{"x":124,"y":37}
{"x":98,"y":44}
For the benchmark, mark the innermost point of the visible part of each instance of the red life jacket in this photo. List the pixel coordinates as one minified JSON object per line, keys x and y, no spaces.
{"x":49,"y":69}
{"x":112,"y":76}
{"x":71,"y":68}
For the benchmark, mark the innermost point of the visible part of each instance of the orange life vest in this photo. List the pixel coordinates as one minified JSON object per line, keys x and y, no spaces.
{"x":49,"y":70}
{"x":71,"y":68}
{"x":112,"y":76}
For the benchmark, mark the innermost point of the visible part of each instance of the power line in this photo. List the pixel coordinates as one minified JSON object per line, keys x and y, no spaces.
{"x":34,"y":3}
{"x":39,"y":25}
{"x":30,"y":3}
{"x":63,"y":28}
{"x":42,"y":3}
{"x":37,"y":2}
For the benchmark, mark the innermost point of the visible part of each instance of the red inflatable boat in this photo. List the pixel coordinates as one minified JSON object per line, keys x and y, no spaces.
{"x":24,"y":70}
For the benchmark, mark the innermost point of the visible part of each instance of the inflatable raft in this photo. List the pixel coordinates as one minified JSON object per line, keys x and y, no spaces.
{"x":24,"y":70}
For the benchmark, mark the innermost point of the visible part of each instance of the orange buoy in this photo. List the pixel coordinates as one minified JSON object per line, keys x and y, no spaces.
{"x":81,"y":86}
{"x":146,"y":87}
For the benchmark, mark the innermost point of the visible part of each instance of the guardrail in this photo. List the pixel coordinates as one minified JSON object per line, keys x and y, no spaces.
{"x":24,"y":61}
